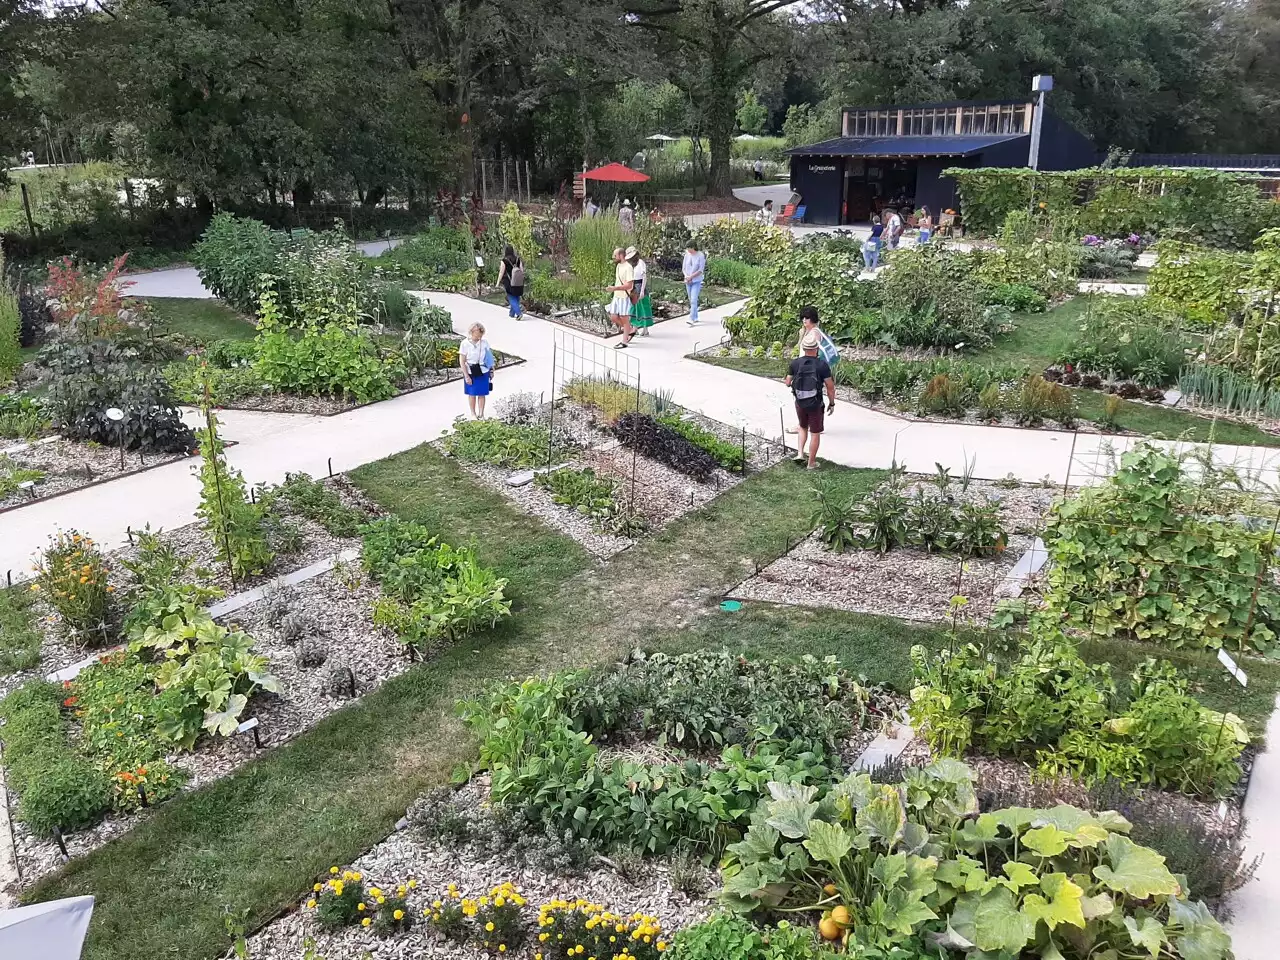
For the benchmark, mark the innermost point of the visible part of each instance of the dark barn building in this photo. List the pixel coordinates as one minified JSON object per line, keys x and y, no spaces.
{"x":894,"y":156}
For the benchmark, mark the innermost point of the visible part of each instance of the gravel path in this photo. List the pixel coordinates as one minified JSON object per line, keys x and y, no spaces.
{"x":68,"y":464}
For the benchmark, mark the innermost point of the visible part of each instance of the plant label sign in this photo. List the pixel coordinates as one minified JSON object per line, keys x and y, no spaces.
{"x":1233,"y":668}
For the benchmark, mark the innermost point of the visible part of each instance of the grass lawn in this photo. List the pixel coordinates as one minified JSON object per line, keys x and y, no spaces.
{"x":1038,"y":339}
{"x":19,"y":639}
{"x":257,"y":839}
{"x":203,"y":320}
{"x":1140,"y":418}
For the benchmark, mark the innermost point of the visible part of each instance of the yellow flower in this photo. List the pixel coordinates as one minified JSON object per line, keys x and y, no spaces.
{"x":488,"y":927}
{"x":398,"y":915}
{"x":333,"y":870}
{"x":437,"y":904}
{"x":357,"y":876}
{"x":375,"y":892}
{"x":316,"y":888}
{"x":502,"y":948}
{"x":311,"y":904}
{"x":365,"y":922}
{"x":382,"y":899}
{"x":359,"y":906}
{"x":413,"y":884}
{"x":661,"y":945}
{"x":499,"y":901}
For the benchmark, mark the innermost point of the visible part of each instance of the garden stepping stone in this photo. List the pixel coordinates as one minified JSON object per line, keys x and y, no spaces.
{"x":525,"y":477}
{"x":1028,"y":565}
{"x":1173,"y":397}
{"x":230,"y":605}
{"x":885,"y":747}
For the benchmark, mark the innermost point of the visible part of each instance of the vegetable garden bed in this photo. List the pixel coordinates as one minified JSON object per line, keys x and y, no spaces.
{"x":907,"y":581}
{"x":312,"y":647}
{"x":602,"y":492}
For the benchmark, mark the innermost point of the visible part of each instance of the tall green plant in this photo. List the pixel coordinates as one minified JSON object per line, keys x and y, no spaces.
{"x":592,"y":241}
{"x":233,"y":254}
{"x":233,"y":523}
{"x":517,"y":229}
{"x":10,"y":333}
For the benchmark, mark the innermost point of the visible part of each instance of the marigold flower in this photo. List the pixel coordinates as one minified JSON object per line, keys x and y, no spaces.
{"x":365,"y":922}
{"x":398,"y":915}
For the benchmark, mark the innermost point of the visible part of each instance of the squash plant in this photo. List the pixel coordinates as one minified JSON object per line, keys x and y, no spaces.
{"x":213,"y":667}
{"x":1138,"y":558}
{"x":896,"y":862}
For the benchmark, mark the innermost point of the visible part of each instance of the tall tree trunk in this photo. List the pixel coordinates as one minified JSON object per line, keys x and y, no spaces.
{"x":720,"y":109}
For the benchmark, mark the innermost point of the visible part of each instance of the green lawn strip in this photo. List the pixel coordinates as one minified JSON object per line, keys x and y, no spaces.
{"x":257,"y":839}
{"x":1037,"y":339}
{"x":203,"y":320}
{"x":19,"y":638}
{"x":1141,"y":418}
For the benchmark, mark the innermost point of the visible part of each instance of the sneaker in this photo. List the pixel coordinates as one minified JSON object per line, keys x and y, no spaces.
{"x":692,"y":323}
{"x":813,"y":466}
{"x":800,"y":458}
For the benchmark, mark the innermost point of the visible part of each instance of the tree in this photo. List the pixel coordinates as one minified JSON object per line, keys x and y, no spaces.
{"x":752,"y":114}
{"x":710,"y":48}
{"x":19,"y":20}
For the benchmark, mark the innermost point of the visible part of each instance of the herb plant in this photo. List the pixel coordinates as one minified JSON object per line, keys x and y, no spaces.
{"x":657,"y":442}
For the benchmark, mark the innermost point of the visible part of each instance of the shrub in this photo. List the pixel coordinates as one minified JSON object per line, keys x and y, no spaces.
{"x":828,"y":281}
{"x":602,"y":933}
{"x":990,"y":402}
{"x":1128,"y":338}
{"x":315,"y":501}
{"x":941,"y":397}
{"x":1202,"y":285}
{"x":657,"y":442}
{"x":610,"y":398}
{"x":931,"y":299}
{"x":516,"y":229}
{"x":233,"y":523}
{"x":329,"y":358}
{"x":1040,"y":399}
{"x":1049,"y":268}
{"x":432,"y":258}
{"x":72,"y":575}
{"x":394,"y":305}
{"x":70,"y":793}
{"x":732,"y":273}
{"x":1019,"y":297}
{"x":1144,"y":556}
{"x":593,"y":497}
{"x":748,"y":241}
{"x":90,"y":378}
{"x":1107,"y":261}
{"x":232,"y":256}
{"x":10,"y":333}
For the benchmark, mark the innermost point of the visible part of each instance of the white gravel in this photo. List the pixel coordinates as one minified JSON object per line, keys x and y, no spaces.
{"x":69,"y":464}
{"x":405,"y":855}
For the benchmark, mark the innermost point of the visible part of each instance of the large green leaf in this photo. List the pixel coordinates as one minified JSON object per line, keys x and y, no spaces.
{"x":1148,"y":934}
{"x":1084,"y":829}
{"x":1062,"y":905}
{"x":792,"y":817}
{"x":858,"y":788}
{"x":1200,"y":936}
{"x":992,"y":921}
{"x":1048,"y":841}
{"x":828,"y":842}
{"x":884,"y":817}
{"x":905,"y":912}
{"x":890,"y":870}
{"x":759,"y":844}
{"x":1135,"y":871}
{"x":1020,"y":875}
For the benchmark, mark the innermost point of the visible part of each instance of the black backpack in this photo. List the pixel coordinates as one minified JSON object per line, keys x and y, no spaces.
{"x":806,"y":384}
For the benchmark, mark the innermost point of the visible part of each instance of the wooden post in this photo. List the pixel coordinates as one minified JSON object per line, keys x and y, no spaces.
{"x":516,"y":164}
{"x":26,"y":206}
{"x":484,"y":184}
{"x":528,"y":183}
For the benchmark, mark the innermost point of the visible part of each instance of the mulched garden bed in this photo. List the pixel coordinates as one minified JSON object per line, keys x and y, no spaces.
{"x":331,"y":644}
{"x":906,"y":583}
{"x":659,"y":493}
{"x":67,"y":465}
{"x":647,"y":886}
{"x":272,"y":402}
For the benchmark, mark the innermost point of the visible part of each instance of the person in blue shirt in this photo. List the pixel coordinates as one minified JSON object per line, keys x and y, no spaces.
{"x":871,"y":247}
{"x":695,"y":264}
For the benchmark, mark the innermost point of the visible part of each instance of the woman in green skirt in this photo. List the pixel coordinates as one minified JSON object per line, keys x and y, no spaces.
{"x":642,"y":305}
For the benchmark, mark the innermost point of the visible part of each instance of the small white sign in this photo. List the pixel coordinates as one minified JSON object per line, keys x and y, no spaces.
{"x":247,"y":725}
{"x":1233,"y":668}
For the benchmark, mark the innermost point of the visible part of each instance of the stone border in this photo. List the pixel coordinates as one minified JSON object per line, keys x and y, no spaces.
{"x":9,"y":878}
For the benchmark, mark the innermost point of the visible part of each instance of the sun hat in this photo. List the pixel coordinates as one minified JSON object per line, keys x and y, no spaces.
{"x":630,"y":252}
{"x":809,"y":341}
{"x":626,"y":203}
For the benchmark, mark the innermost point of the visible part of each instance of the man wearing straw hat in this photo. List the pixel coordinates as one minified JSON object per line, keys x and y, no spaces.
{"x":807,"y":376}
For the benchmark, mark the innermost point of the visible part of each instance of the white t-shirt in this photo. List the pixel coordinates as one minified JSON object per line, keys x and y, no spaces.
{"x":472,"y":353}
{"x":641,"y":275}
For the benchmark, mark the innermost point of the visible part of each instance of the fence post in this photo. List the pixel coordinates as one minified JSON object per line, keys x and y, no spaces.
{"x":516,"y":164}
{"x":528,"y":184}
{"x":26,"y":206}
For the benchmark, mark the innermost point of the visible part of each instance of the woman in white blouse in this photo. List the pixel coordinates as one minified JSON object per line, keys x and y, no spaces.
{"x":476,"y":360}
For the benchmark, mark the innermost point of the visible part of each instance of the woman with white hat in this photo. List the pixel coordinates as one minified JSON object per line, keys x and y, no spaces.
{"x":641,"y":304}
{"x":624,"y":281}
{"x":627,"y":217}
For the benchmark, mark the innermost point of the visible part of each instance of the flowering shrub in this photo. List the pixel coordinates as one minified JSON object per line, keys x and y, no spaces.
{"x":750,"y":241}
{"x":572,"y":928}
{"x":88,"y":303}
{"x":72,"y":577}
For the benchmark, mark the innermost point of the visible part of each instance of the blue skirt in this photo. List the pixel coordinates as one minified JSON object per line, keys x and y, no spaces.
{"x":478,"y":387}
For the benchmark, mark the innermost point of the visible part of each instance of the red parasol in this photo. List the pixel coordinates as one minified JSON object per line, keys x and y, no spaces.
{"x":615,"y":173}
